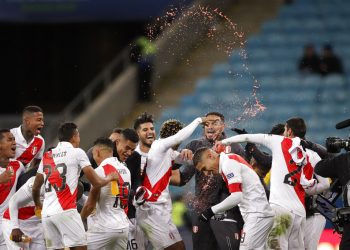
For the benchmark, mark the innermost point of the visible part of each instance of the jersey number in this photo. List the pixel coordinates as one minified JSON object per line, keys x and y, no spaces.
{"x":288,"y":177}
{"x":55,"y":177}
{"x":123,"y":196}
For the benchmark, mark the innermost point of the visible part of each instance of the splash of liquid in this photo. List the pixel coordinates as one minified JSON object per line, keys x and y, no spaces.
{"x":215,"y":23}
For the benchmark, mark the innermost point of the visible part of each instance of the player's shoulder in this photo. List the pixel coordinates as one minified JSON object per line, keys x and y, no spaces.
{"x":40,"y":137}
{"x":77,"y":151}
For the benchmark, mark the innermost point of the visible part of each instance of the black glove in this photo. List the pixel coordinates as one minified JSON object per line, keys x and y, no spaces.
{"x":239,"y":131}
{"x":306,"y":144}
{"x":206,"y":215}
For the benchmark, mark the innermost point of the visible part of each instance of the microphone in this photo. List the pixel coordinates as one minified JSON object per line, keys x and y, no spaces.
{"x":343,"y":124}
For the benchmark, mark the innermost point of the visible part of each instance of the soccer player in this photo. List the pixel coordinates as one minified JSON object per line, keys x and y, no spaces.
{"x":108,"y":228}
{"x":59,"y":170}
{"x":209,"y":190}
{"x":246,"y":191}
{"x":9,"y":173}
{"x":154,"y":216}
{"x":29,"y":143}
{"x":291,"y":174}
{"x":20,"y":219}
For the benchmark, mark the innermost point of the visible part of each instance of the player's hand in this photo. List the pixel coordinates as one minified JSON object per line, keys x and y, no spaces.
{"x":206,"y":215}
{"x":239,"y":131}
{"x":141,"y":195}
{"x":6,"y":176}
{"x":16,"y":235}
{"x":186,"y":155}
{"x":219,"y":147}
{"x":204,"y":120}
{"x":113,"y":176}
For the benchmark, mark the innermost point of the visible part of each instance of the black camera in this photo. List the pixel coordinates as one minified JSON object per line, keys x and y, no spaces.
{"x":335,"y":144}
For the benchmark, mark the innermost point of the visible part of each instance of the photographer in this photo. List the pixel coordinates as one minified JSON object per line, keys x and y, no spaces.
{"x":338,"y":167}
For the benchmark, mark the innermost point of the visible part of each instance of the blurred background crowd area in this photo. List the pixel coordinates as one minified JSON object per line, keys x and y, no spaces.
{"x":102,"y":63}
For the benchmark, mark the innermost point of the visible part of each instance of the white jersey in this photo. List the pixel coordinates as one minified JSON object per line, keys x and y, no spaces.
{"x":159,"y":163}
{"x":22,"y":206}
{"x":26,"y":152}
{"x":61,"y":168}
{"x":285,"y":188}
{"x":8,"y":189}
{"x":239,"y":176}
{"x":111,"y":210}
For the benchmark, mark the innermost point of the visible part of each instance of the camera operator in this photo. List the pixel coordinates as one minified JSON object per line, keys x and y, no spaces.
{"x":339,"y":167}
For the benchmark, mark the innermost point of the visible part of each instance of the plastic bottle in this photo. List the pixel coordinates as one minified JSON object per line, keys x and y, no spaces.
{"x":114,"y":188}
{"x":25,"y":238}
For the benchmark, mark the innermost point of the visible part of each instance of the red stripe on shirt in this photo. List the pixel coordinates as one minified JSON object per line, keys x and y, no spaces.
{"x":159,"y":187}
{"x":66,"y":199}
{"x":233,"y":187}
{"x":240,"y":159}
{"x":108,"y":169}
{"x":31,"y":151}
{"x":5,"y":188}
{"x":24,"y":213}
{"x":286,"y":144}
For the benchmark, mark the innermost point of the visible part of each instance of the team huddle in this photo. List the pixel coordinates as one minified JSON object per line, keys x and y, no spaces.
{"x":116,"y":196}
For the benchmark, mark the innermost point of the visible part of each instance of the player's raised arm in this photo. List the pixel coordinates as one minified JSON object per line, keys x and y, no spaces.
{"x":96,"y":180}
{"x":183,"y":134}
{"x":264,"y":139}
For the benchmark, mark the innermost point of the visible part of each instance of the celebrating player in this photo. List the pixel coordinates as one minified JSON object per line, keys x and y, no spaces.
{"x":60,"y":170}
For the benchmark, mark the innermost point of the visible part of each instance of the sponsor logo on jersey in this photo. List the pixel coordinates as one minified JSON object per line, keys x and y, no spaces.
{"x":171,"y":235}
{"x":230,"y":175}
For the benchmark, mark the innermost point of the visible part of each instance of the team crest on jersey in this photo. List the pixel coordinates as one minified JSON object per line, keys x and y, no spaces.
{"x":34,"y":150}
{"x":195,"y":229}
{"x":236,"y":236}
{"x":230,"y":175}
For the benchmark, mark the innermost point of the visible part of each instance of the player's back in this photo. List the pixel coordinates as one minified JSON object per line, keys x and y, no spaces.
{"x":61,"y":168}
{"x":285,"y":187}
{"x":111,"y":210}
{"x":254,"y":197}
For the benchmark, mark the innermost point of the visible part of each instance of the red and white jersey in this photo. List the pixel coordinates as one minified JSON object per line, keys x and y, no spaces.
{"x":160,"y":160}
{"x":26,"y":152}
{"x":8,"y":189}
{"x":22,"y":206}
{"x":61,"y":168}
{"x":239,"y":176}
{"x":111,"y":210}
{"x":285,"y":188}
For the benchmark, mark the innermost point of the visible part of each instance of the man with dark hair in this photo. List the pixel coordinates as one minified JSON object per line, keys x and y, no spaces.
{"x":9,"y":173}
{"x":108,"y":228}
{"x":291,"y":178}
{"x":29,"y":143}
{"x":310,"y":62}
{"x":115,"y":135}
{"x":330,"y":62}
{"x":245,"y":189}
{"x":210,"y":190}
{"x":154,"y":195}
{"x":59,"y":170}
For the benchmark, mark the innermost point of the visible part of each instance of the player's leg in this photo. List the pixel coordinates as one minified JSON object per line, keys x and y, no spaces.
{"x":313,"y":227}
{"x":53,"y":237}
{"x":202,"y":235}
{"x":121,"y":242}
{"x":280,"y":232}
{"x":227,"y":234}
{"x":136,"y":238}
{"x":296,"y":238}
{"x":72,"y":229}
{"x":255,"y":232}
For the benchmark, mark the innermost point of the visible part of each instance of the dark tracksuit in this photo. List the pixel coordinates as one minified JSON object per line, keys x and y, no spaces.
{"x":209,"y":191}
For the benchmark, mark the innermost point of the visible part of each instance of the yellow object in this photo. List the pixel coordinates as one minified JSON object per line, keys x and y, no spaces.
{"x":37,"y":212}
{"x":25,"y":238}
{"x":114,"y":188}
{"x":267,"y":178}
{"x":177,"y":215}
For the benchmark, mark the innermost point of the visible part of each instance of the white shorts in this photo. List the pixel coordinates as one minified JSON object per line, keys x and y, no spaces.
{"x":29,"y":228}
{"x":64,"y":230}
{"x":255,"y":231}
{"x":314,"y":227}
{"x":103,"y":240}
{"x":293,"y":230}
{"x":137,"y":239}
{"x":155,"y":221}
{"x":2,"y":240}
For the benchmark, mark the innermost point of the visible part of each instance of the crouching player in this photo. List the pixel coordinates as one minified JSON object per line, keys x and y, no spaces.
{"x":246,"y":191}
